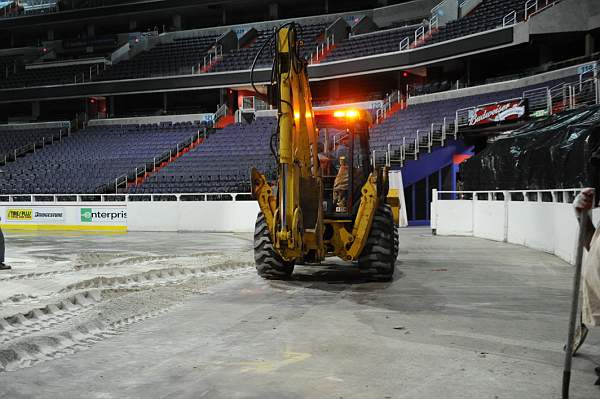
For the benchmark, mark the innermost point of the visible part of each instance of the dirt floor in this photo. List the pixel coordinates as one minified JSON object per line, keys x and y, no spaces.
{"x":165,"y":315}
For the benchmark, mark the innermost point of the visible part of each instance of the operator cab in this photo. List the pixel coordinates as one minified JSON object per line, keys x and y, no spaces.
{"x":345,"y":161}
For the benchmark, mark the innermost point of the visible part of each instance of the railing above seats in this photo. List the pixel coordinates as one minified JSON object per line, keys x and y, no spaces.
{"x":509,"y":19}
{"x":213,"y":56}
{"x":420,"y":34}
{"x":534,"y":6}
{"x":392,"y":101}
{"x":123,"y":198}
{"x":322,"y":49}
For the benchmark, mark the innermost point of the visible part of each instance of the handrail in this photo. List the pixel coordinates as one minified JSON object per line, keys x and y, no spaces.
{"x":220,"y":112}
{"x":218,"y":52}
{"x":30,"y":146}
{"x":405,"y":44}
{"x":425,"y":133}
{"x":395,"y":97}
{"x":419,"y":33}
{"x":167,"y":155}
{"x":400,"y":149}
{"x":320,"y":49}
{"x":566,"y":95}
{"x":534,"y":6}
{"x":374,"y":158}
{"x":509,"y":19}
{"x":433,"y":23}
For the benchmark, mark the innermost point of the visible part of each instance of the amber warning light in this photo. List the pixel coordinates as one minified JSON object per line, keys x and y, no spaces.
{"x":351,"y":113}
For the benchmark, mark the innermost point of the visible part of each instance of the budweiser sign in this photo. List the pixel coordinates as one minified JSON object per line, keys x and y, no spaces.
{"x":498,"y":112}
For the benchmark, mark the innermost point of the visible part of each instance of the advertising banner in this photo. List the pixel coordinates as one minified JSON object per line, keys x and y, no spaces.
{"x":113,"y":216}
{"x":36,"y":215}
{"x":498,"y":112}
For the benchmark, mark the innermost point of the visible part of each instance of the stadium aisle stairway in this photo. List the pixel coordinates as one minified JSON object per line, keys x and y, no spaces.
{"x":220,"y":165}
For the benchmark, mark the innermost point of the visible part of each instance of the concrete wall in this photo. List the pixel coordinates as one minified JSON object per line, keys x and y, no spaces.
{"x":567,"y":16}
{"x":467,"y":6}
{"x":446,"y":11}
{"x":37,"y":125}
{"x":151,"y":119}
{"x":365,"y":25}
{"x":546,"y":226}
{"x":412,"y":10}
{"x":338,"y":30}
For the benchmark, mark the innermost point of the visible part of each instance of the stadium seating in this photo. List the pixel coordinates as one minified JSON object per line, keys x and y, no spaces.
{"x":15,"y":139}
{"x":221,"y":164}
{"x":8,"y":66}
{"x":241,"y":59}
{"x":488,"y":15}
{"x":90,"y":160}
{"x":383,"y":41}
{"x":432,"y":87}
{"x":87,"y":47}
{"x":164,"y":59}
{"x":184,"y":55}
{"x":50,"y":76}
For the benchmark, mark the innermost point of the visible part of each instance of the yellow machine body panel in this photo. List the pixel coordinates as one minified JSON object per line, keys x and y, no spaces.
{"x":304,"y":222}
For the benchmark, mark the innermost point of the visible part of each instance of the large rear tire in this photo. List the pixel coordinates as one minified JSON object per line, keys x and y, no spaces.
{"x":269,"y":264}
{"x":396,"y":244}
{"x":378,"y":257}
{"x":388,"y":212}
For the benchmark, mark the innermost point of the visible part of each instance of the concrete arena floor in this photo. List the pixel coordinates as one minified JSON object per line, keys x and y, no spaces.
{"x":464,"y":318}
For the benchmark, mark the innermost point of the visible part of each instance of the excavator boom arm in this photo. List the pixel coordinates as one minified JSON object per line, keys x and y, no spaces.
{"x":296,"y":221}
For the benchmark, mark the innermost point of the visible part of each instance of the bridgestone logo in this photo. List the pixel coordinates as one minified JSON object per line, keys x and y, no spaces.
{"x":48,"y":215}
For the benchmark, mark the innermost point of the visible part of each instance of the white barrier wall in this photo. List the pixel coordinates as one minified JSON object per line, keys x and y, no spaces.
{"x":115,"y":212}
{"x":230,"y":216}
{"x":547,"y":223}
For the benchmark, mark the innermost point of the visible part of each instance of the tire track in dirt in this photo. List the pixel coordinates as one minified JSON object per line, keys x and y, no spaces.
{"x":158,"y":277}
{"x":85,"y":266}
{"x":39,"y":319}
{"x":110,"y":306}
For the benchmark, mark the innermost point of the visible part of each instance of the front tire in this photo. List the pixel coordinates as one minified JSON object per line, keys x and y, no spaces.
{"x":378,"y":257}
{"x":269,"y":264}
{"x":395,"y":233}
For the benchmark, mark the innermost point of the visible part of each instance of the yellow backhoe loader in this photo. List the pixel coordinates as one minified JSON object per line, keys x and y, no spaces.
{"x":329,"y":198}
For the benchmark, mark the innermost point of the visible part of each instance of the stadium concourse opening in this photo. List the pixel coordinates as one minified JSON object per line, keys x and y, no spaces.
{"x":317,"y":199}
